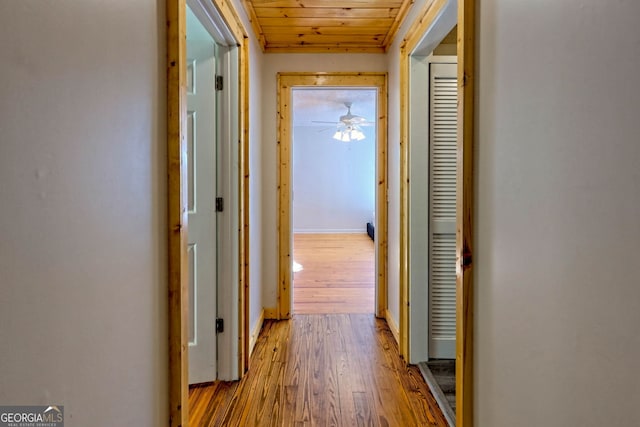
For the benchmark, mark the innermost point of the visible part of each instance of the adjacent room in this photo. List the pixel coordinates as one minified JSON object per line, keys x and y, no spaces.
{"x":334,"y":138}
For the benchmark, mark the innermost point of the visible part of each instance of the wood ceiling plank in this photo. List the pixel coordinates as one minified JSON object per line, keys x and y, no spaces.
{"x":395,"y":26}
{"x":296,"y":25}
{"x":329,"y":4}
{"x":338,"y":40}
{"x":324,"y":49}
{"x":318,"y":12}
{"x":346,"y":31}
{"x":324,"y":22}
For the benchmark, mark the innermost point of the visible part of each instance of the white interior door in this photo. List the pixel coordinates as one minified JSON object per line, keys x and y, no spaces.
{"x":442,"y":211}
{"x":202,"y":172}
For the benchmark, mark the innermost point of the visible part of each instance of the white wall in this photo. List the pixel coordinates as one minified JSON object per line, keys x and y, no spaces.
{"x":333,"y":182}
{"x":393,"y":159}
{"x":83,"y":299}
{"x":557,"y":214}
{"x":256,"y":275}
{"x":272,"y":64}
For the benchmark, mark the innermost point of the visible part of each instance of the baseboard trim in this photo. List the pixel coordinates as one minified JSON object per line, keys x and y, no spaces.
{"x":392,"y":326}
{"x":270,"y":313}
{"x":255,"y":332}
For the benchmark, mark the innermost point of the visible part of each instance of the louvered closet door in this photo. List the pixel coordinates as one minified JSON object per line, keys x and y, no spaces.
{"x":442,"y":242}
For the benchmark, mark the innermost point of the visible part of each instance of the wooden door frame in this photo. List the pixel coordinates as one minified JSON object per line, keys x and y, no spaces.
{"x":287,"y":81}
{"x":178,"y":274}
{"x":464,"y":193}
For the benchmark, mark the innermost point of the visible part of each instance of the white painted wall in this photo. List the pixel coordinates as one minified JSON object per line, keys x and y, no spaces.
{"x":83,"y":287}
{"x":557,"y":208}
{"x":272,"y":64}
{"x":557,"y":214}
{"x":393,"y":159}
{"x":333,"y":181}
{"x":256,"y":274}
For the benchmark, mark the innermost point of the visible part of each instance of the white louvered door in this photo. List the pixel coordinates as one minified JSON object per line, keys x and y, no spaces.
{"x":442,"y":211}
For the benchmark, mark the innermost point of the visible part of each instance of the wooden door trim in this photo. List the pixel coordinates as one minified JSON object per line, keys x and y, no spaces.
{"x":286,"y":81}
{"x":464,"y":194}
{"x":178,"y":274}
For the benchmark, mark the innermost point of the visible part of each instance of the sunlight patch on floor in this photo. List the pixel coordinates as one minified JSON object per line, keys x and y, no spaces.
{"x":297,"y":267}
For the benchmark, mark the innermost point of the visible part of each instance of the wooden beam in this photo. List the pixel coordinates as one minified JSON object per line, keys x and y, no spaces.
{"x":284,"y":199}
{"x":464,"y":213}
{"x":245,"y":199}
{"x":382,"y":198}
{"x":177,"y":212}
{"x":404,"y":204}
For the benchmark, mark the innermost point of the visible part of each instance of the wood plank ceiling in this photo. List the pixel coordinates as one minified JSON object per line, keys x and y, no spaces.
{"x":315,"y":26}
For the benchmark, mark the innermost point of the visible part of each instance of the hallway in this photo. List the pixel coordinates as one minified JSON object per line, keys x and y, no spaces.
{"x":317,"y":370}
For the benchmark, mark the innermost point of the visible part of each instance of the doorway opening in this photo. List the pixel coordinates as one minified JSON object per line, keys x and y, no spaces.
{"x":287,"y":84}
{"x":333,"y":203}
{"x":436,"y":101}
{"x":203,"y":169}
{"x":432,"y":218}
{"x":432,"y":160}
{"x":231,"y":222}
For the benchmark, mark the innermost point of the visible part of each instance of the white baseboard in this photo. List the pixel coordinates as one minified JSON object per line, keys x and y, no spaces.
{"x":392,"y":326}
{"x":255,"y":332}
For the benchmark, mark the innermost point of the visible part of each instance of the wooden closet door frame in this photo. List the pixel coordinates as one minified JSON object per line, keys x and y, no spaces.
{"x":464,"y":191}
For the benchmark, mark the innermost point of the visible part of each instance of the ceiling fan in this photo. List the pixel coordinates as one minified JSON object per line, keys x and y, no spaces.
{"x":349,"y":126}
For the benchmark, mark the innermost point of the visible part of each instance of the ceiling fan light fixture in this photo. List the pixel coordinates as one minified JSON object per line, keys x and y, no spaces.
{"x":347,"y":133}
{"x":348,"y":128}
{"x":357,"y":135}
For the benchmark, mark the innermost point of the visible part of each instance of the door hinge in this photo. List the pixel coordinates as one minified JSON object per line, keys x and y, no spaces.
{"x":219,"y":83}
{"x":219,"y":326}
{"x":219,"y":204}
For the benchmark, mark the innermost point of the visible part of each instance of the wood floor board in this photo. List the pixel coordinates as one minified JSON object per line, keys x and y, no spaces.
{"x":332,"y":364}
{"x":337,"y":276}
{"x":321,"y":370}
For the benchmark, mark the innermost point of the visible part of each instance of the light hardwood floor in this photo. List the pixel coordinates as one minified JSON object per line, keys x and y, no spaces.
{"x":321,"y":370}
{"x":337,"y":276}
{"x":332,"y":369}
